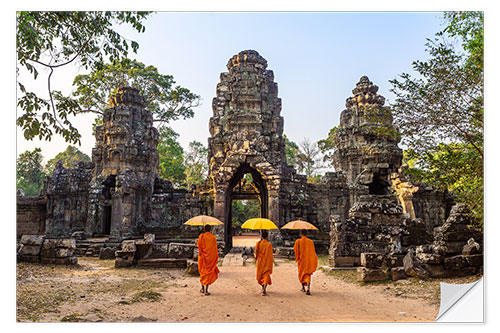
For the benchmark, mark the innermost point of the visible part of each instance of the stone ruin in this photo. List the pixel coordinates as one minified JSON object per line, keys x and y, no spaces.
{"x":365,"y":209}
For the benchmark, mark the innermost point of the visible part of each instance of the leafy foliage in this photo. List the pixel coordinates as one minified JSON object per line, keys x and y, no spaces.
{"x":52,"y":40}
{"x":29,"y":172}
{"x":171,"y":156}
{"x":166,"y":101}
{"x":195,"y":162}
{"x":242,"y":210}
{"x":291,"y":151}
{"x":327,"y":146}
{"x":68,"y":157}
{"x":440,"y":113}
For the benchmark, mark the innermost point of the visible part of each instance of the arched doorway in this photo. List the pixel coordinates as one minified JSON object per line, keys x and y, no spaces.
{"x":246,"y":184}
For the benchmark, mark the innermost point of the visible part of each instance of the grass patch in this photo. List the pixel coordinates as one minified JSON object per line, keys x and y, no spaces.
{"x":33,"y":301}
{"x":143,"y":296}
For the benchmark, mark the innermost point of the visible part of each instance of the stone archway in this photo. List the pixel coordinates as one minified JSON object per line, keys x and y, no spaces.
{"x":260,"y":194}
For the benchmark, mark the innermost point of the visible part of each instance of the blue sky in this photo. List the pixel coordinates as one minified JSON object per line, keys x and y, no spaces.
{"x":317,"y":58}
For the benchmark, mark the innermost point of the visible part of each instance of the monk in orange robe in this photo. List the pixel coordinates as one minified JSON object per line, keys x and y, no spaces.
{"x":307,"y":260}
{"x":208,"y":258}
{"x":264,"y":258}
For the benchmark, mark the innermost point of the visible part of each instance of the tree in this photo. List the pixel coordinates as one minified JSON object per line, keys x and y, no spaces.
{"x":440,"y":113}
{"x":171,"y":156}
{"x":68,"y":157}
{"x":291,"y":151}
{"x":54,"y":40}
{"x":327,"y":146}
{"x":29,"y":172}
{"x":242,"y":210}
{"x":195,"y":162}
{"x":308,"y":158}
{"x":165,"y":100}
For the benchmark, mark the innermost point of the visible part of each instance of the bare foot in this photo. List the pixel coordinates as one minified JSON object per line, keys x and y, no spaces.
{"x":308,"y":293}
{"x":207,"y":294}
{"x":264,"y":293}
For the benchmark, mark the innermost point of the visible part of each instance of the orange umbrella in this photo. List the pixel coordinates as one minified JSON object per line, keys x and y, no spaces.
{"x":203,"y":220}
{"x":299,"y":225}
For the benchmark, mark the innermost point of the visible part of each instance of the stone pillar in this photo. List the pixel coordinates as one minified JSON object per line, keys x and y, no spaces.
{"x":117,"y":226}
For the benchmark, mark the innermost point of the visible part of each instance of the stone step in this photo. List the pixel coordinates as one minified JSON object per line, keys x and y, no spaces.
{"x":163,"y":263}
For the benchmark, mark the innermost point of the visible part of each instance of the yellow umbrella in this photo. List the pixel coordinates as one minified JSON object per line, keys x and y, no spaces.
{"x":259,"y":223}
{"x":299,"y":225}
{"x":203,"y":220}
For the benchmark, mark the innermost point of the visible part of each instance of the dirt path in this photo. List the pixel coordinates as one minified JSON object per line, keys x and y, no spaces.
{"x":104,"y":294}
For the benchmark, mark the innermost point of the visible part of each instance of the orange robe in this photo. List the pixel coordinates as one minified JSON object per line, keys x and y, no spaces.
{"x":208,"y":257}
{"x":307,"y":260}
{"x":264,"y":257}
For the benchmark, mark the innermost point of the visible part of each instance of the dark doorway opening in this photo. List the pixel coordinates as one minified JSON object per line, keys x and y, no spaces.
{"x":248,"y":187}
{"x":242,"y":210}
{"x":379,"y":185}
{"x":109,"y":188}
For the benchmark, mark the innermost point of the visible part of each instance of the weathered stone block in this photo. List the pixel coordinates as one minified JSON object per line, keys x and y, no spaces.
{"x":413,"y":268}
{"x":28,"y":258}
{"x":57,"y":253}
{"x":372,"y":260}
{"x":192,"y":267}
{"x":122,"y":263}
{"x":32,"y":240}
{"x":107,"y":253}
{"x":435,"y":270}
{"x":128,"y":246}
{"x":397,"y":273}
{"x":372,"y":275}
{"x":429,"y":258}
{"x":143,"y":249}
{"x":125,"y":255}
{"x":343,"y":261}
{"x":180,"y":250}
{"x":456,"y":262}
{"x":30,"y":250}
{"x":69,"y":243}
{"x":475,"y":260}
{"x":163,"y":263}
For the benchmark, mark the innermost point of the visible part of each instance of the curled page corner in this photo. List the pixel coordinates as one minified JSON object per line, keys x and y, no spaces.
{"x":461,"y":302}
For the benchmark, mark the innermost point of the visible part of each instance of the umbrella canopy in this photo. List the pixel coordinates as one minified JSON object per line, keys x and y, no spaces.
{"x":203,"y":220}
{"x":259,"y":223}
{"x":299,"y":225}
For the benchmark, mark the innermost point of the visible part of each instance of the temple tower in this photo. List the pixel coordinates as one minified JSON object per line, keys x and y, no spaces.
{"x":246,"y":136}
{"x":367,"y":142}
{"x":125,"y":162}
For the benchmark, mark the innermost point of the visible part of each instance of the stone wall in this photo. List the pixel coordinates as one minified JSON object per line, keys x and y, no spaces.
{"x":375,"y":224}
{"x":67,"y":193}
{"x":31,"y":215}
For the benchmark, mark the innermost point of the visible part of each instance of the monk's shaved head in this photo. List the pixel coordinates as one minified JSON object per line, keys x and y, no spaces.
{"x":303,"y":232}
{"x":265,"y":234}
{"x":208,"y":228}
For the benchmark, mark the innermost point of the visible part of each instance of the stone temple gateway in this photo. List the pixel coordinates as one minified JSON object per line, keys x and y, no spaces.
{"x":365,"y":206}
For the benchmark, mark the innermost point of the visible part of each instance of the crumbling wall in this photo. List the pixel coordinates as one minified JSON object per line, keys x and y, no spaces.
{"x":31,"y":212}
{"x":67,"y":199}
{"x":313,"y":203}
{"x":375,"y":224}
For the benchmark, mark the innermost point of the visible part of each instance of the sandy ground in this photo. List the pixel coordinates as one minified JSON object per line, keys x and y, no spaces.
{"x":96,"y":291}
{"x":246,"y":240}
